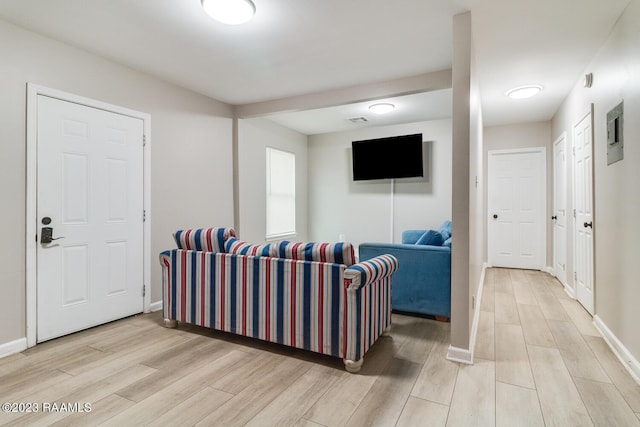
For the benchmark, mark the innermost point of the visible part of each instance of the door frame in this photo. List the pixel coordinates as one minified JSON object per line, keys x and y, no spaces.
{"x":561,"y":139}
{"x":543,"y":198}
{"x":33,"y":91}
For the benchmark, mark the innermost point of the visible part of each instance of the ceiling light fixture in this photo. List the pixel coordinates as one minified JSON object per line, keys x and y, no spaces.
{"x":522,"y":92}
{"x":381,"y":108}
{"x":231,"y":12}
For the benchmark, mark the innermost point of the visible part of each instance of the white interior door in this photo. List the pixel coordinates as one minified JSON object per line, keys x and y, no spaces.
{"x":559,"y":217}
{"x":516,"y":206}
{"x":583,"y":211}
{"x":90,"y":193}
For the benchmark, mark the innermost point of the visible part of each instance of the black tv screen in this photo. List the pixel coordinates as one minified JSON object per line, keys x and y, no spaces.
{"x":382,"y":158}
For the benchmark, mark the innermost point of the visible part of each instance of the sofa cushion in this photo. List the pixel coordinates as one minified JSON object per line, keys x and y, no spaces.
{"x":431,"y":238}
{"x":445,"y":229}
{"x":203,"y":239}
{"x":337,"y":253}
{"x":238,"y":247}
{"x":447,"y":242}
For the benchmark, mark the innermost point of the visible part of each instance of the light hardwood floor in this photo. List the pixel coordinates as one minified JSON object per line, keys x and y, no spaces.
{"x":538,"y":361}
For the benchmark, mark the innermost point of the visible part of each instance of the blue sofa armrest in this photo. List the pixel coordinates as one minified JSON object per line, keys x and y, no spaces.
{"x":422,"y":283}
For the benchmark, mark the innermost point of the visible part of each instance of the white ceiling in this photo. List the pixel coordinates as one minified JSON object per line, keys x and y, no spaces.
{"x":298,"y":47}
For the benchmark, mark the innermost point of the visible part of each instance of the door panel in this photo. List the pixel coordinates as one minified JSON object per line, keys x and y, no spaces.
{"x":559,"y":217}
{"x":583,"y":203}
{"x":516,"y":209}
{"x":90,"y":187}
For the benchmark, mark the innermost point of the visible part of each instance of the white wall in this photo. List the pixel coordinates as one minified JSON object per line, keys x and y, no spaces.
{"x":513,"y":137}
{"x":254,"y":135}
{"x":361,"y":210}
{"x":191,"y":141}
{"x":616,"y":77}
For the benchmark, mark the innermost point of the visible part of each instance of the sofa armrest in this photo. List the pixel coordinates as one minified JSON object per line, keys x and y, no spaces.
{"x":366,"y":272}
{"x":165,"y":257}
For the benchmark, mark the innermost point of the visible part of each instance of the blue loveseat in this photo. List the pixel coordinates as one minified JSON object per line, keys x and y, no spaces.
{"x":422,"y":283}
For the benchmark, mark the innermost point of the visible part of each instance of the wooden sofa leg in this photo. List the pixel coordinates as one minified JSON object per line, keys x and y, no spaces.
{"x":442,"y":319}
{"x":170,"y":323}
{"x":353,"y":366}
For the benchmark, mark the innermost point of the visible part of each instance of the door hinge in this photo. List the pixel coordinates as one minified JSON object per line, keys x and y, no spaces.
{"x":574,"y":213}
{"x":144,"y":215}
{"x":575,"y":276}
{"x":144,"y":290}
{"x":144,"y":140}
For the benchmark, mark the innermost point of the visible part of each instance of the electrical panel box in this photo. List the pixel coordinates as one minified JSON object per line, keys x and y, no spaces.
{"x":615,"y":140}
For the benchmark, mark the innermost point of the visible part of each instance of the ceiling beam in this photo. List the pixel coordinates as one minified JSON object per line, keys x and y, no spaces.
{"x":367,"y":92}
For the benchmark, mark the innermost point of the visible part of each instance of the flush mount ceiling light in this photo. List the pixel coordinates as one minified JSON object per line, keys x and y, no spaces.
{"x":381,"y":108}
{"x":522,"y":92}
{"x":232,"y":12}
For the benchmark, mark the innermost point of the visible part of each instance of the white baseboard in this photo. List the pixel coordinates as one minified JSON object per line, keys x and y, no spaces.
{"x":463,"y":355}
{"x":569,"y":290}
{"x":155,"y":306}
{"x":460,"y":355}
{"x":476,"y":312}
{"x":622,"y":353}
{"x":550,"y":270}
{"x":12,"y":347}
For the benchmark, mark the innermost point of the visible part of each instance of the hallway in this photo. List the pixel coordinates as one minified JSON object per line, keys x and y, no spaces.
{"x":551,"y":365}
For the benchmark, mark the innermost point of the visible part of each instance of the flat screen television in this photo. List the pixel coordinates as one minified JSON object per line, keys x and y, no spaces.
{"x":383,"y":158}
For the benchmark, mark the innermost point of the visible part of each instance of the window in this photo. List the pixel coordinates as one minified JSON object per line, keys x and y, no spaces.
{"x":281,"y":194}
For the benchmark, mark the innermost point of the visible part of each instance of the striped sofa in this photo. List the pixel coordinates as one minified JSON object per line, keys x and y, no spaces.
{"x":306,"y":295}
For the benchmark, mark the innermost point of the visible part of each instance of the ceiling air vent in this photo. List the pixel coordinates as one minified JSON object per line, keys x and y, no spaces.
{"x":358,"y":119}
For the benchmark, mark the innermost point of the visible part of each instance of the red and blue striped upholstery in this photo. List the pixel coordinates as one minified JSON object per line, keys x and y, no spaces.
{"x":203,"y":239}
{"x":339,"y":253}
{"x":368,"y":306}
{"x":299,"y":303}
{"x":238,"y":247}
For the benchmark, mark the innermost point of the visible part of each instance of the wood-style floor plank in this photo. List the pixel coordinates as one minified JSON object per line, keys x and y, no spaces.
{"x":245,"y":405}
{"x":192,"y":410}
{"x":605,"y":404}
{"x":549,"y":305}
{"x":438,"y":376}
{"x":534,"y":326}
{"x":339,"y":402}
{"x":291,"y":405}
{"x":517,"y":406}
{"x":506,"y":309}
{"x":383,"y":403}
{"x":629,"y":389}
{"x":580,"y":317}
{"x":512,"y":359}
{"x":559,"y":399}
{"x":179,"y":390}
{"x":473,"y":402}
{"x":521,"y":289}
{"x":576,"y":353}
{"x":418,"y":412}
{"x":485,"y":341}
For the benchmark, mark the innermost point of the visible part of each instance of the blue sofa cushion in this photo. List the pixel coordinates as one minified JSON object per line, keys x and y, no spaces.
{"x":445,"y":230}
{"x":431,"y":238}
{"x":447,"y":242}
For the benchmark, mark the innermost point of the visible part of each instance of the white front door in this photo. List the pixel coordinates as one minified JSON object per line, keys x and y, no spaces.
{"x":559,"y":216}
{"x":583,"y":211}
{"x":516,"y":206}
{"x":90,"y":197}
